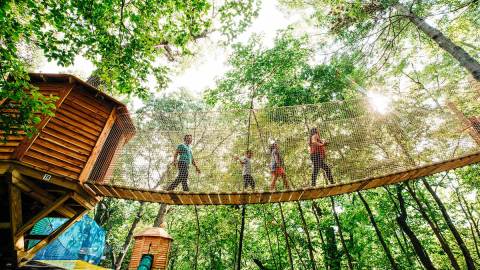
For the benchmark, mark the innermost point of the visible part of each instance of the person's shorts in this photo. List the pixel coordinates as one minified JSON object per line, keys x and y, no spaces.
{"x":279,"y":171}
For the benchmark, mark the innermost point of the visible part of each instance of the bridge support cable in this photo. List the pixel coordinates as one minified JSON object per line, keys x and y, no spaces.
{"x":240,"y":241}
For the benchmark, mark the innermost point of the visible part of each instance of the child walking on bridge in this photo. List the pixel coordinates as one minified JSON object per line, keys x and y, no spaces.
{"x":277,"y":167}
{"x":246,"y":162}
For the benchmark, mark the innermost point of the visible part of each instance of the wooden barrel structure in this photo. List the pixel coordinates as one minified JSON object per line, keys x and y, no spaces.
{"x":154,"y":242}
{"x":43,"y":175}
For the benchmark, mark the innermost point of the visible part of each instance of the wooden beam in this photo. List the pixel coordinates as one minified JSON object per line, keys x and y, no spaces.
{"x":176,"y":197}
{"x":4,"y":167}
{"x":27,"y":142}
{"x":98,"y":146}
{"x":4,"y":225}
{"x":35,"y":237}
{"x":39,"y":194}
{"x":47,"y":210}
{"x":84,"y":202}
{"x":31,"y":171}
{"x":45,"y":241}
{"x":15,"y":206}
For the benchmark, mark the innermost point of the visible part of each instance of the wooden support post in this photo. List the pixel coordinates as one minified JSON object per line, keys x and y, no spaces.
{"x":98,"y":146}
{"x":84,"y":202}
{"x":15,"y":202}
{"x":47,"y":210}
{"x":39,"y":194}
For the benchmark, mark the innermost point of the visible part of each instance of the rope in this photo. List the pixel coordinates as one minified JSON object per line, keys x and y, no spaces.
{"x":363,"y":142}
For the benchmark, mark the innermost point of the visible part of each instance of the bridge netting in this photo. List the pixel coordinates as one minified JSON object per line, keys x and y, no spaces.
{"x":367,"y":137}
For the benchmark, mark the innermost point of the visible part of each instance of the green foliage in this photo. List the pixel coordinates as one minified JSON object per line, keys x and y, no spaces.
{"x":282,"y":75}
{"x":286,"y":75}
{"x":124,"y":40}
{"x":23,"y":106}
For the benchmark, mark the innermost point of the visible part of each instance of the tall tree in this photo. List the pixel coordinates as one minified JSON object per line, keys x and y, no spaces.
{"x":441,"y":239}
{"x":340,"y":234}
{"x":282,"y":75}
{"x":378,"y":26}
{"x":307,"y":234}
{"x":402,"y":222}
{"x":458,"y":238}
{"x":123,"y":39}
{"x":378,"y":232}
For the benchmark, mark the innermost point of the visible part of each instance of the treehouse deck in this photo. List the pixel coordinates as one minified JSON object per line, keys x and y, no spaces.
{"x":309,"y":193}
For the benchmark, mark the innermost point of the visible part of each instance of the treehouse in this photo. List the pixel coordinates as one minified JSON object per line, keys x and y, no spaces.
{"x":43,"y":175}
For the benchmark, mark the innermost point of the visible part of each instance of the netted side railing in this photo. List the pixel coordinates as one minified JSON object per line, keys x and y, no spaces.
{"x":366,"y":137}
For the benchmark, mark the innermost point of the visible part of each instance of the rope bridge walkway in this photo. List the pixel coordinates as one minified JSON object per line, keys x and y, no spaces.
{"x":370,"y":142}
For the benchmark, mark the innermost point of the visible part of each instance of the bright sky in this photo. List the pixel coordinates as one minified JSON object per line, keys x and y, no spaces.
{"x":210,"y":63}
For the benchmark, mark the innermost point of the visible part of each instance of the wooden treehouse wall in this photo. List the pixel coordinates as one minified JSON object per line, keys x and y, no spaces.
{"x":71,"y":143}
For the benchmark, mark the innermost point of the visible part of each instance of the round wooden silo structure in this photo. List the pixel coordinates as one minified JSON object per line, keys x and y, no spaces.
{"x":152,"y":241}
{"x":44,"y":175}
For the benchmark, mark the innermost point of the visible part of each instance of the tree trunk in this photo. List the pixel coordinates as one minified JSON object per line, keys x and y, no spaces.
{"x":102,"y":212}
{"x":278,"y":250}
{"x":268,"y":238}
{"x":461,"y":244}
{"x":333,"y":258}
{"x":307,"y":234}
{"x":378,"y":232}
{"x":471,"y":220}
{"x":197,"y":244}
{"x":160,"y":215}
{"x":284,"y":227}
{"x":317,"y":212}
{"x":240,"y":242}
{"x":113,"y":258}
{"x":259,"y":264}
{"x":402,"y":222}
{"x":128,"y":238}
{"x":406,"y":253}
{"x":173,"y":256}
{"x":457,"y":52}
{"x":435,"y":229}
{"x":340,"y":233}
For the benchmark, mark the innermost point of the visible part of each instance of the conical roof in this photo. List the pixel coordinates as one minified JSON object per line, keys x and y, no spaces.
{"x":155,"y":232}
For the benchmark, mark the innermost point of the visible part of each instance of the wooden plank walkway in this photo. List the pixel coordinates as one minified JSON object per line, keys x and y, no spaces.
{"x":254,"y":197}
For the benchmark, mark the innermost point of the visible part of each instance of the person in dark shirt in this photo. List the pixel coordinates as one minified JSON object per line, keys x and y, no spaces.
{"x":317,"y":155}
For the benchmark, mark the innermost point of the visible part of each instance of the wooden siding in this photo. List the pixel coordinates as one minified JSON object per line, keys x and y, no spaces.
{"x":157,"y":246}
{"x":10,"y":146}
{"x":66,"y":142}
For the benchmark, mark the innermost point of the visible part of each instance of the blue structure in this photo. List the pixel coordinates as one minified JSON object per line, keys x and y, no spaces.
{"x":85,"y":240}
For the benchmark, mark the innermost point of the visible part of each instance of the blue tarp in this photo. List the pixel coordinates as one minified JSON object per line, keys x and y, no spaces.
{"x":85,"y":240}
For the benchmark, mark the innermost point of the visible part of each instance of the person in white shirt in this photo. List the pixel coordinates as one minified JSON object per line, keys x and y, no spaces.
{"x":246,"y":162}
